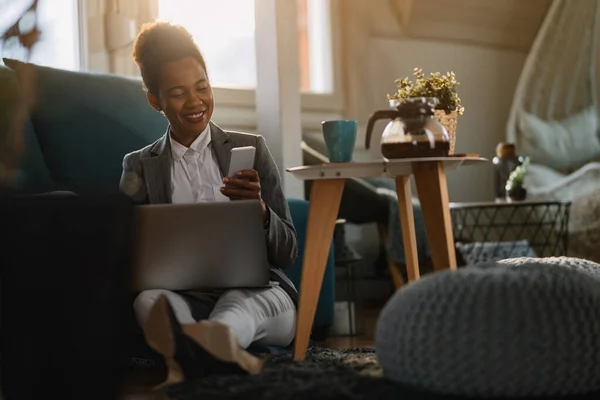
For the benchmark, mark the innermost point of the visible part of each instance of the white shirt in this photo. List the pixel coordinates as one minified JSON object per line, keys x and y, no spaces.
{"x":195,"y":174}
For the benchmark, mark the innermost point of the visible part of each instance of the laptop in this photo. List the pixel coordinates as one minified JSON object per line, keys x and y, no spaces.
{"x":200,"y":246}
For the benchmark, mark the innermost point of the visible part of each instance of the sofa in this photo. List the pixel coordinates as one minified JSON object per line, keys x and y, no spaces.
{"x":81,"y":126}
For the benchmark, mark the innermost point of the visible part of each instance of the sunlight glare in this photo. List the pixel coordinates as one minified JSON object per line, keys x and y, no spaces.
{"x":224,"y":31}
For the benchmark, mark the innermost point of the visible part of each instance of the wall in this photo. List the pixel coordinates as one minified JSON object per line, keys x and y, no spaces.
{"x":379,"y":52}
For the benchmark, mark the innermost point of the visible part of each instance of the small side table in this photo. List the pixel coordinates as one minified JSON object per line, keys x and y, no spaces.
{"x":325,"y":196}
{"x":495,"y":229}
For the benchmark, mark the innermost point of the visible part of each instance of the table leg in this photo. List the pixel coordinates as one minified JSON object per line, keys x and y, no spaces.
{"x":325,"y":197}
{"x":407,"y":222}
{"x":432,"y":188}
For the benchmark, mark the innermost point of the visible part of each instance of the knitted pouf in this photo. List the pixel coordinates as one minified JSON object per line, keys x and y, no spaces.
{"x":485,"y":332}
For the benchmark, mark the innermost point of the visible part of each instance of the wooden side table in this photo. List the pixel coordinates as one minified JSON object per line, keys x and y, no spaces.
{"x":326,"y":193}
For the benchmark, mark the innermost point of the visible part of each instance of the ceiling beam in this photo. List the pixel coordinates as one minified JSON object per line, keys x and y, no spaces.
{"x":499,"y":23}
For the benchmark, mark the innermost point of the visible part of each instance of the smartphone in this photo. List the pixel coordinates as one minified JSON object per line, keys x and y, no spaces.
{"x":241,"y":158}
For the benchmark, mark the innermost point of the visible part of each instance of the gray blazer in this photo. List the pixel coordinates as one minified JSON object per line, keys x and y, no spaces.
{"x":146,"y":179}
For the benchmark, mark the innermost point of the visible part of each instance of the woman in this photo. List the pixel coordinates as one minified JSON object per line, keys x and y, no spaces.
{"x":187,"y":165}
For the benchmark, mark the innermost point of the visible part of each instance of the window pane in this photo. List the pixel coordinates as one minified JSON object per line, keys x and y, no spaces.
{"x":303,"y":45}
{"x":227,"y":40}
{"x":58,"y":46}
{"x":316,"y":57}
{"x":224,"y":31}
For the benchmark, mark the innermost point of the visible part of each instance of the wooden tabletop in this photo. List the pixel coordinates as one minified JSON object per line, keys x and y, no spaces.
{"x":376,"y":168}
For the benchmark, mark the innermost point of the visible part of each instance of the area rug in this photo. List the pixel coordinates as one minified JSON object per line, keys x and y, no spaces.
{"x":324,"y":374}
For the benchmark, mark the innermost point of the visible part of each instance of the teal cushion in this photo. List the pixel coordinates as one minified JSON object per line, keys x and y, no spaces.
{"x":325,"y":306}
{"x":87,"y":122}
{"x":33,"y":174}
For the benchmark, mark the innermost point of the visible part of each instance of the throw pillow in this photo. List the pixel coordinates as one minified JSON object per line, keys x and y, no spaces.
{"x":474,"y":253}
{"x":562,"y":145}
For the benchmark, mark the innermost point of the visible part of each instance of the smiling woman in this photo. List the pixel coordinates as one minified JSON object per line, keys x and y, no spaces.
{"x":175,"y":78}
{"x":188,"y":165}
{"x":224,"y":30}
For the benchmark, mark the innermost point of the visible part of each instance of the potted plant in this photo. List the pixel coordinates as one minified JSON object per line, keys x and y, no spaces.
{"x":515,"y":185}
{"x":442,"y":87}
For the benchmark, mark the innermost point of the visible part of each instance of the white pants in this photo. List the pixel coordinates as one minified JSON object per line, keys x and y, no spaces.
{"x":264,"y":316}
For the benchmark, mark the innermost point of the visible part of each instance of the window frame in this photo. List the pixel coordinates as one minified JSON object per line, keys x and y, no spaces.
{"x":238,"y":105}
{"x":310,"y":101}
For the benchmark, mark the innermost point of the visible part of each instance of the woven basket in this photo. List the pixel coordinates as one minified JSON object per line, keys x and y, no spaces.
{"x":449,"y":121}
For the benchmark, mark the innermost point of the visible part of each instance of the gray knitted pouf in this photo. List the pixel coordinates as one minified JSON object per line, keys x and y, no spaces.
{"x":486,"y":332}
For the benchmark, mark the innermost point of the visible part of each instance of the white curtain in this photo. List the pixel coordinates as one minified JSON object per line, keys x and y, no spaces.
{"x":110,"y":28}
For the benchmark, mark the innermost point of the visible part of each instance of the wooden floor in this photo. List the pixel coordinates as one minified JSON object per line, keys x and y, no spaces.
{"x":369,"y":317}
{"x":140,"y":386}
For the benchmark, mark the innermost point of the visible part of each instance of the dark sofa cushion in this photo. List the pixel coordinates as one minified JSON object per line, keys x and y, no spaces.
{"x":87,"y":122}
{"x":33,"y":174}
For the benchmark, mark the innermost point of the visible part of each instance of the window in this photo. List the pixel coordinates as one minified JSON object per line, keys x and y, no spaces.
{"x":58,"y":45}
{"x":314,"y":33}
{"x":226,"y":39}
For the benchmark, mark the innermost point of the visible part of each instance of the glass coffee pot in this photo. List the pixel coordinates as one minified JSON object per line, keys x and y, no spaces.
{"x":412,"y":132}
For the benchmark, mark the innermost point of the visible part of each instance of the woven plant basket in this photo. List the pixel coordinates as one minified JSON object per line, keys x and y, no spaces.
{"x":449,"y":121}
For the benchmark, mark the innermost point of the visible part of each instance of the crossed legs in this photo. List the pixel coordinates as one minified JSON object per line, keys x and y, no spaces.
{"x":266,"y":316}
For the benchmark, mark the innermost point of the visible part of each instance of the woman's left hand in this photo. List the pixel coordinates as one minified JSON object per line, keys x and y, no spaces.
{"x":244,"y":186}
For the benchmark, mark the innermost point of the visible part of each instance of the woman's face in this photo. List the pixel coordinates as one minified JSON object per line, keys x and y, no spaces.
{"x":186,"y":98}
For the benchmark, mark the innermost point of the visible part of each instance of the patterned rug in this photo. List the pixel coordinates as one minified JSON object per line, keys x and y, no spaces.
{"x":324,"y":374}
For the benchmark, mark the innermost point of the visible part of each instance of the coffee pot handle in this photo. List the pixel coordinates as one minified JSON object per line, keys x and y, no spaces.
{"x":377,"y":115}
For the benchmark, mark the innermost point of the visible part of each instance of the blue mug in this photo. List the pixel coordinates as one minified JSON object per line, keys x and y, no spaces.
{"x":340,"y":138}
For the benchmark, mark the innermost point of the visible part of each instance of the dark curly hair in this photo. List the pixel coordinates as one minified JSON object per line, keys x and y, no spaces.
{"x":160,"y":42}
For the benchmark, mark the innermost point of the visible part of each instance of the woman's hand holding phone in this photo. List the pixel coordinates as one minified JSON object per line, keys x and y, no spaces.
{"x":242,"y":181}
{"x":244,"y":185}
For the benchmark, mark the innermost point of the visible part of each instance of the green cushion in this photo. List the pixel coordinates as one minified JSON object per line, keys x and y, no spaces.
{"x":33,"y":174}
{"x":87,"y":122}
